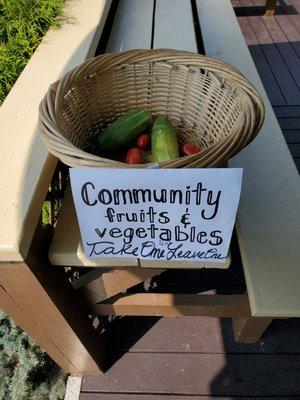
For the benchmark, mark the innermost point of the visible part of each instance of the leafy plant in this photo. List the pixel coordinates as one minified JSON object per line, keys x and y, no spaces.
{"x":23,"y":24}
{"x":26,"y":372}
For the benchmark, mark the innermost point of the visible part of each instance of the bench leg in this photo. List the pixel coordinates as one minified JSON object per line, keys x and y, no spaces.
{"x":42,"y":302}
{"x":270,"y":8}
{"x":249,"y":329}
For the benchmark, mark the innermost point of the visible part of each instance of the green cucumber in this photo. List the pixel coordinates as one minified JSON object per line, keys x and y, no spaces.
{"x":164,"y":145}
{"x":123,"y":132}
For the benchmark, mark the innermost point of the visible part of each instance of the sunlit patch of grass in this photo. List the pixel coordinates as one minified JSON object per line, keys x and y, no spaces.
{"x":23,"y":23}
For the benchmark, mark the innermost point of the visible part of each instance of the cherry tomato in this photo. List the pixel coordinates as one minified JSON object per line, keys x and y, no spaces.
{"x":189,"y":149}
{"x":144,"y":142}
{"x":134,"y":156}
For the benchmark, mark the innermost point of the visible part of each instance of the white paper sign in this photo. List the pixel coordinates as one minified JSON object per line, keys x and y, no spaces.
{"x":156,"y":214}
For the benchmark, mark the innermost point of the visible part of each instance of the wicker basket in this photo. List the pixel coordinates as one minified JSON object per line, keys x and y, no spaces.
{"x":209,"y":102}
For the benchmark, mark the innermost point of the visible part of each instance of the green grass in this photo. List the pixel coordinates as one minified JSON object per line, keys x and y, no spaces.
{"x":23,"y":24}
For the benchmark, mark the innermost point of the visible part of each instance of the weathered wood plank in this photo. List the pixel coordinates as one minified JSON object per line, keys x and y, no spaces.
{"x":289,"y":30}
{"x":268,"y":225}
{"x":25,"y":167}
{"x":200,"y":374}
{"x":174,"y":25}
{"x":291,"y":136}
{"x":250,"y":329}
{"x":172,"y":335}
{"x":111,"y":282}
{"x":289,"y":123}
{"x":131,"y":30}
{"x":288,"y":53}
{"x":281,"y":72}
{"x":266,"y":74}
{"x":287,"y":112}
{"x":264,"y":70}
{"x":270,"y":8}
{"x":174,"y":305}
{"x":152,"y":264}
{"x":198,"y":335}
{"x":292,"y":10}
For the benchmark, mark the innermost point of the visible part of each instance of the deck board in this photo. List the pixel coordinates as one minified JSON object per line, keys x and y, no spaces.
{"x":289,"y":123}
{"x":222,"y":375}
{"x":281,"y":72}
{"x":291,"y":135}
{"x":198,"y":335}
{"x":274,"y":43}
{"x":287,"y":112}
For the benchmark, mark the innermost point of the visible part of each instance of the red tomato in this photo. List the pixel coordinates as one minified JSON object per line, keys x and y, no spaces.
{"x":189,"y":149}
{"x":134,"y":156}
{"x":144,"y":142}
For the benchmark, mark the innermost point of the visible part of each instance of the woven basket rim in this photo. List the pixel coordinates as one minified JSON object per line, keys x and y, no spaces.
{"x":64,"y":149}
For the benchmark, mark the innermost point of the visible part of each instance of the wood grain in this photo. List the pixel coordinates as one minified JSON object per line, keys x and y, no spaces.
{"x":111,"y":282}
{"x":249,"y":330}
{"x":174,"y":305}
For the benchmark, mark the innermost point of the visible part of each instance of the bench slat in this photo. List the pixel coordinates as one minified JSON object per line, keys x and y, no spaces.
{"x":25,"y":166}
{"x":174,"y":25}
{"x":132,"y":28}
{"x":268,"y":217}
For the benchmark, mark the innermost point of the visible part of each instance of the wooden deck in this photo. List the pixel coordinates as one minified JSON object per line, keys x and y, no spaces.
{"x":197,"y":357}
{"x":274,"y":43}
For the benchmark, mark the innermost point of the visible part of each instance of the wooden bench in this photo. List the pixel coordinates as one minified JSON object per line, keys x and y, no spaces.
{"x":263,"y":194}
{"x":38,"y":298}
{"x":268,"y":224}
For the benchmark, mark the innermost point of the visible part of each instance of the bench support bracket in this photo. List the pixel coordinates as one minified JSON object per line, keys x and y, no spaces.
{"x":249,"y":329}
{"x":270,"y":8}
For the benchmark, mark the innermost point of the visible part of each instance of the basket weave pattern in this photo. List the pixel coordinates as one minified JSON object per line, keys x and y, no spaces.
{"x":208,"y":101}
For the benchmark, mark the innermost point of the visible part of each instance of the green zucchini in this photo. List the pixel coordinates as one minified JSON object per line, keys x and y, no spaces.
{"x":123,"y":132}
{"x":164,"y":145}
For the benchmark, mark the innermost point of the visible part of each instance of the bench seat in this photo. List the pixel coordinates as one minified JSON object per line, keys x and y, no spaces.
{"x":268,"y":224}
